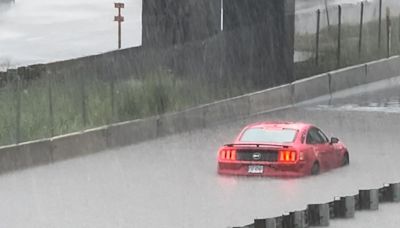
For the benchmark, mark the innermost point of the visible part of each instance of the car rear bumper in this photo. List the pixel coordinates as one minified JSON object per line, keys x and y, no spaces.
{"x":271,"y":169}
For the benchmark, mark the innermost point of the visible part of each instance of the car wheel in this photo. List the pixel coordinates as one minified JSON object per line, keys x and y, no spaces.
{"x":315,"y":169}
{"x":345,"y":159}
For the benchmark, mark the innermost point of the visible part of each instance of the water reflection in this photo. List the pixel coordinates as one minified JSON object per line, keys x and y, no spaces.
{"x":392,"y":106}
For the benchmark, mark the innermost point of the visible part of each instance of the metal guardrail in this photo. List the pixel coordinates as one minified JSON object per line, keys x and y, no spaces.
{"x":340,"y":207}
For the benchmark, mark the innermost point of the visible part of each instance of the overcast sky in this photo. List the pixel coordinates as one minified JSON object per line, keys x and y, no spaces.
{"x":48,"y":30}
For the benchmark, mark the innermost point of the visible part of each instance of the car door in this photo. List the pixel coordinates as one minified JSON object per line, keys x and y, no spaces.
{"x":321,"y":147}
{"x":333,"y":153}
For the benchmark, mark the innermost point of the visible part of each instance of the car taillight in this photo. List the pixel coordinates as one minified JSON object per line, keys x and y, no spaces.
{"x":227,"y":154}
{"x":287,"y":156}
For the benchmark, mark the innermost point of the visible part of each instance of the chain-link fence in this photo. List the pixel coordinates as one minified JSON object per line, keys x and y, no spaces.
{"x":344,"y":35}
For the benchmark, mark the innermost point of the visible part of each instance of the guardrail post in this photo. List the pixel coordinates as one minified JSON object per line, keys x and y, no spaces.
{"x":396,"y":192}
{"x":369,"y":199}
{"x":265,"y":223}
{"x":318,"y":214}
{"x":287,"y":221}
{"x":344,"y":207}
{"x":300,"y":219}
{"x":390,"y":193}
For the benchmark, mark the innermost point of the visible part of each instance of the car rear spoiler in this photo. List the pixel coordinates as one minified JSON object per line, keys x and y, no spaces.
{"x":255,"y":144}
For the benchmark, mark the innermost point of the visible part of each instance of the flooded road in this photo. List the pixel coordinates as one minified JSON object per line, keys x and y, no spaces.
{"x":172,"y":181}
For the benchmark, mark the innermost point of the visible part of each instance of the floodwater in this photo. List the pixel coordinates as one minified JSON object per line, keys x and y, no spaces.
{"x":172,"y":181}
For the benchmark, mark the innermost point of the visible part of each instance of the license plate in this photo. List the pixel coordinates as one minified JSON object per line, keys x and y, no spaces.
{"x":256,"y":169}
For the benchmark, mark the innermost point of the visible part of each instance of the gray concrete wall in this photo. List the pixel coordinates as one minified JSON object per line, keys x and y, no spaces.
{"x":46,"y":151}
{"x":260,"y":40}
{"x":172,"y":22}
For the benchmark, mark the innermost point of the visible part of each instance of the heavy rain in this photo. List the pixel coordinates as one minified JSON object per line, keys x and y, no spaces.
{"x":94,"y":136}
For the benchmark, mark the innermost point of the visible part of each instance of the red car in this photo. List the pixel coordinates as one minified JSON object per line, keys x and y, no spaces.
{"x":281,"y":149}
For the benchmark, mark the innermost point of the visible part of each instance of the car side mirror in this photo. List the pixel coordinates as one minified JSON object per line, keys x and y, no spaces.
{"x":334,"y":140}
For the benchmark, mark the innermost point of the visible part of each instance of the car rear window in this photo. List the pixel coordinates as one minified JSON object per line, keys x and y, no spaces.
{"x":268,"y":135}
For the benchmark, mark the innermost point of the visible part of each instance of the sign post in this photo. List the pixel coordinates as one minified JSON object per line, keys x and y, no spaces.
{"x":119,"y":19}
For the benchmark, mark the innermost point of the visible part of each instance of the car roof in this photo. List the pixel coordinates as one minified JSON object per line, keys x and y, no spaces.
{"x":280,"y":124}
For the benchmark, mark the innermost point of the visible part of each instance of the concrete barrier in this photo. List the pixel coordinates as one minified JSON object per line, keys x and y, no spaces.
{"x":15,"y":157}
{"x":95,"y":140}
{"x":368,"y":199}
{"x":34,"y":153}
{"x":296,"y":219}
{"x":318,"y":214}
{"x":310,"y":88}
{"x":7,"y":158}
{"x":395,"y":192}
{"x":265,"y":223}
{"x":390,"y":193}
{"x":67,"y":147}
{"x":383,"y":69}
{"x":343,"y":207}
{"x":123,"y":134}
{"x":24,"y":155}
{"x":187,"y":120}
{"x":270,"y":99}
{"x":225,"y":110}
{"x":348,"y":77}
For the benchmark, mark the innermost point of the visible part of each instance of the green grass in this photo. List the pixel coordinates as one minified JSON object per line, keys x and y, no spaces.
{"x":157,"y":93}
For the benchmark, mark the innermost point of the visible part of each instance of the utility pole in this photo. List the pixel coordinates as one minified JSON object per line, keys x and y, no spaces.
{"x":119,"y":19}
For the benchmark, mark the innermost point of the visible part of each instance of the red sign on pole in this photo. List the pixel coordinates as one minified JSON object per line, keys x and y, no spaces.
{"x":119,"y":19}
{"x":119,"y":5}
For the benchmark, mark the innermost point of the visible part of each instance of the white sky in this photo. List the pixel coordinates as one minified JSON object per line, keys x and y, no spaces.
{"x":49,"y":30}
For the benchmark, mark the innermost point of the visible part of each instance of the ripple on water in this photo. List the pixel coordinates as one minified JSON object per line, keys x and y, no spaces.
{"x":391,"y":105}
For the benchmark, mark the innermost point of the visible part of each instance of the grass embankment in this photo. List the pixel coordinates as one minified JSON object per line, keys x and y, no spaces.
{"x":132,"y":99}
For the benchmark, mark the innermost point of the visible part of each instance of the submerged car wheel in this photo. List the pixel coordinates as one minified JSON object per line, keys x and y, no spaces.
{"x":345,"y":159}
{"x":315,"y":169}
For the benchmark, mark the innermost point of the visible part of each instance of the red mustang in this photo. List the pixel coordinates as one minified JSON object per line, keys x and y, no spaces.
{"x":281,"y":149}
